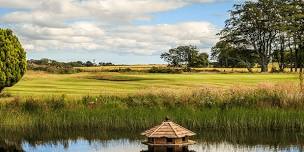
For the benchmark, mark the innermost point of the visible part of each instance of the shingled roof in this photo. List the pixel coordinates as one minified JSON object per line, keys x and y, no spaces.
{"x":168,"y":129}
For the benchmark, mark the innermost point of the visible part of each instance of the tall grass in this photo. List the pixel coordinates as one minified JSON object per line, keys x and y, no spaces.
{"x":268,"y":107}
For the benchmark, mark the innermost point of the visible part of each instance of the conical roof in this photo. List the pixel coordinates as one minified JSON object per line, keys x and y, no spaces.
{"x":168,"y":129}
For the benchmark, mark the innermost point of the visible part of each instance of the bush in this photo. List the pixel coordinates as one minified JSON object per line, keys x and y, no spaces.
{"x":121,"y":70}
{"x":164,"y":70}
{"x":54,"y":69}
{"x":56,"y":103}
{"x":5,"y":95}
{"x":31,"y":105}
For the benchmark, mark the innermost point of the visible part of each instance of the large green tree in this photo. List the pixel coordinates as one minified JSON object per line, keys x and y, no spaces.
{"x":185,"y":55}
{"x":12,"y":59}
{"x":270,"y":29}
{"x":228,"y":55}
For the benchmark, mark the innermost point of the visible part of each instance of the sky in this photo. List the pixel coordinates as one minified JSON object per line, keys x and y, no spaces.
{"x":117,"y":31}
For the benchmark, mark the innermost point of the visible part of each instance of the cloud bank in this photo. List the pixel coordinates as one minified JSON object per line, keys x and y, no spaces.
{"x":103,"y":25}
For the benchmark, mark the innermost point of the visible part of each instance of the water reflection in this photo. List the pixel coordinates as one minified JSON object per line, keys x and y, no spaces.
{"x":168,"y":149}
{"x":6,"y":146}
{"x":125,"y":141}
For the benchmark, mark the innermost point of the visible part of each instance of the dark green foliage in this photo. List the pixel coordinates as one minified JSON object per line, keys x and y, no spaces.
{"x":164,"y":70}
{"x":185,"y":55}
{"x":53,"y":66}
{"x":105,"y":64}
{"x":267,"y":29}
{"x":12,"y":59}
{"x":121,"y":70}
{"x":56,"y":103}
{"x":89,"y":64}
{"x":31,"y":105}
{"x":228,"y":55}
{"x":53,"y":69}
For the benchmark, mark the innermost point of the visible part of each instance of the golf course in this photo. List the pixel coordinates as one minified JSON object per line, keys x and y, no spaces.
{"x":36,"y":83}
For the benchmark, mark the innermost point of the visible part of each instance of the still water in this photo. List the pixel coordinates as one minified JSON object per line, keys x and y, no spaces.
{"x":125,"y":145}
{"x":119,"y":141}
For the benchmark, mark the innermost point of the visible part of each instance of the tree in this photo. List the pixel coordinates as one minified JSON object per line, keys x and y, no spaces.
{"x":228,"y":55}
{"x":185,"y":55}
{"x":273,"y":30}
{"x":12,"y":59}
{"x":89,"y":64}
{"x":253,"y":25}
{"x":295,"y":28}
{"x":223,"y":52}
{"x":173,"y":57}
{"x":202,"y":60}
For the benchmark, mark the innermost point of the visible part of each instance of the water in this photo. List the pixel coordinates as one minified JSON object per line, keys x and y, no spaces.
{"x":125,"y":145}
{"x":125,"y":141}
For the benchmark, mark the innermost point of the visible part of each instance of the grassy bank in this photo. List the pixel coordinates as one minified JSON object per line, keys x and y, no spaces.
{"x":271,"y":107}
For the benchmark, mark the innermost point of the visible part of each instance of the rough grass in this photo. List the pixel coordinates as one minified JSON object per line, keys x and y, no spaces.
{"x":103,"y":83}
{"x":146,"y":68}
{"x":267,"y":107}
{"x":133,"y":101}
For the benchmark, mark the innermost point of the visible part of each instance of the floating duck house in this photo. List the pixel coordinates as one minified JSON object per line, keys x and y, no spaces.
{"x":168,"y":133}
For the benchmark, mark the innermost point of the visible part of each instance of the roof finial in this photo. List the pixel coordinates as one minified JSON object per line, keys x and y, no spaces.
{"x":167,"y":119}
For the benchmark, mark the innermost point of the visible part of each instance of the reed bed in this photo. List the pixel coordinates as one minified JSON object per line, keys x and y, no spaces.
{"x":266,"y":107}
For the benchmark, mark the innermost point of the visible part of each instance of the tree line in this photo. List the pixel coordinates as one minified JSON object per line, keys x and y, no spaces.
{"x":49,"y":62}
{"x":262,"y":32}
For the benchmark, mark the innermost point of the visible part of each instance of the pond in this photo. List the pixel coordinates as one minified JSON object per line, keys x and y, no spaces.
{"x":84,"y":140}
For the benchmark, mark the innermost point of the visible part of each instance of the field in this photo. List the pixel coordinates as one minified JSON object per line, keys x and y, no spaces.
{"x":111,"y":83}
{"x":126,"y":101}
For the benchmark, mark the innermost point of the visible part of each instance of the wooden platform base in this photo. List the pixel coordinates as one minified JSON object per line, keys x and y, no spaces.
{"x":190,"y":142}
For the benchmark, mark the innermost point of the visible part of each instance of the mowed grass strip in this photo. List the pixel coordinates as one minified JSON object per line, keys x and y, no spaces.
{"x":98,"y":83}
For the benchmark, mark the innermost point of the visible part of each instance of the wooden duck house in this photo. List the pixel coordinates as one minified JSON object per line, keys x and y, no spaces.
{"x":168,"y":133}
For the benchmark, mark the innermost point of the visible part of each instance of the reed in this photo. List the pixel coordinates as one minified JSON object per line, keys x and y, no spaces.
{"x":267,"y":107}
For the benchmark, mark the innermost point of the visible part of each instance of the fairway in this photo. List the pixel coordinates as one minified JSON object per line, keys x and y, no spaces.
{"x":103,"y":83}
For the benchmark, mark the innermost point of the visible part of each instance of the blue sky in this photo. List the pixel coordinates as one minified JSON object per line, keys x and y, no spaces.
{"x":128,"y":32}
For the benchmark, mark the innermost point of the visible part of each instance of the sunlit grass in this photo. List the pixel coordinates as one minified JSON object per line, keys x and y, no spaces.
{"x":104,"y":83}
{"x":266,"y":106}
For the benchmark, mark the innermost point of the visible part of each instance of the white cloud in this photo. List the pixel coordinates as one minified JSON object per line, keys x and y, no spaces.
{"x":103,"y":25}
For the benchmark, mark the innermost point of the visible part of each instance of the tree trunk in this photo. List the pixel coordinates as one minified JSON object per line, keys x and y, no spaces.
{"x":291,"y":55}
{"x":296,"y":60}
{"x":282,"y":57}
{"x":291,"y":61}
{"x":264,"y":64}
{"x":301,"y":81}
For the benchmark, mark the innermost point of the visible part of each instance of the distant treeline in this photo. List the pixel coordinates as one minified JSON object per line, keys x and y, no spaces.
{"x":50,"y":62}
{"x":54,"y":66}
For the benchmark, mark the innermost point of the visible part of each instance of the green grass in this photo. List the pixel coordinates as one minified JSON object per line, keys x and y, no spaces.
{"x":102,"y":83}
{"x":278,"y":108}
{"x":136,"y":101}
{"x":139,"y":118}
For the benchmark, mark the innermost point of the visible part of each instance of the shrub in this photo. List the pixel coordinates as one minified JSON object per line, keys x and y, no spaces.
{"x":54,"y":69}
{"x":5,"y":95}
{"x":164,"y":70}
{"x":121,"y":70}
{"x":31,"y":105}
{"x":56,"y":103}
